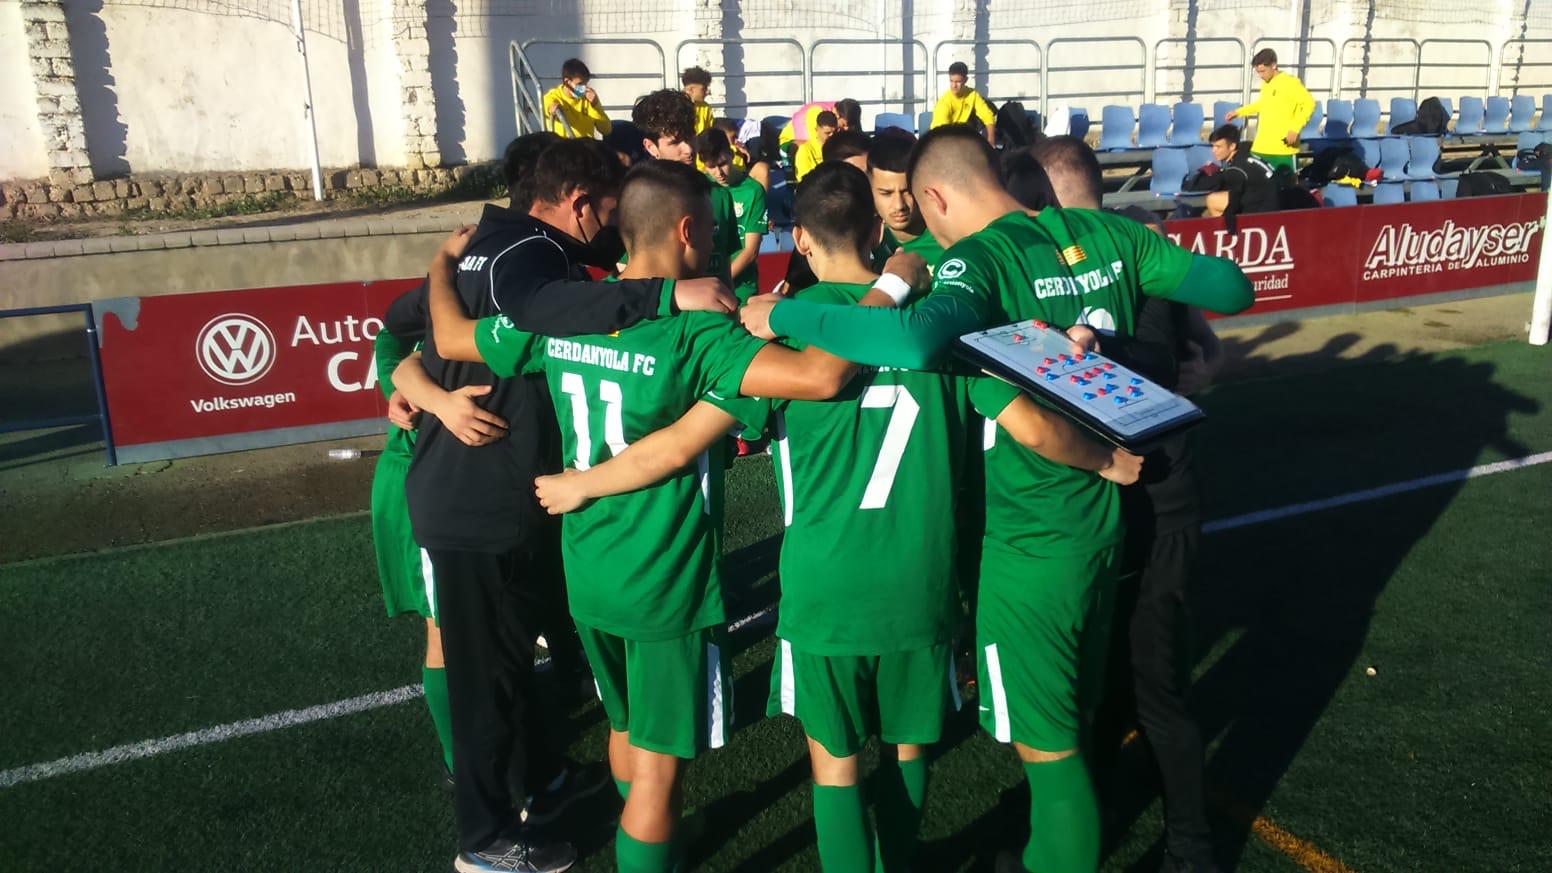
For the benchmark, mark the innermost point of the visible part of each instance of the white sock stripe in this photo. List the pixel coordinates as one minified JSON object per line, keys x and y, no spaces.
{"x":207,"y":736}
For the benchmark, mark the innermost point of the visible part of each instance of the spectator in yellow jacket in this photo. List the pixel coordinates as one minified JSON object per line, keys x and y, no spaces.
{"x":811,"y":154}
{"x":697,"y":85}
{"x":1284,"y":107}
{"x":960,"y":103}
{"x":571,"y":107}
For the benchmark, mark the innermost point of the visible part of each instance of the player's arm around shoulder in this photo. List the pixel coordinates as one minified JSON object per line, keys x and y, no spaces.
{"x":644,"y":463}
{"x":1172,"y":272}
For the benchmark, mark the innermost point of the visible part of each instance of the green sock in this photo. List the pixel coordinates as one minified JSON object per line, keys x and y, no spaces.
{"x":434,"y":679}
{"x":623,"y":787}
{"x":844,"y":843}
{"x":1063,"y":817}
{"x":633,"y":856}
{"x":902,"y":789}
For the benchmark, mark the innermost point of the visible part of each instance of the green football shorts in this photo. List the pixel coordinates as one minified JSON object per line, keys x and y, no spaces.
{"x":1042,"y":626}
{"x":403,"y":567}
{"x":841,"y":700}
{"x":674,"y":697}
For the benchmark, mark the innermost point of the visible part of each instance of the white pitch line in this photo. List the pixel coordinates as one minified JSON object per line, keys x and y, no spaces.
{"x":1282,"y":512}
{"x":217,"y":734}
{"x":293,"y":717}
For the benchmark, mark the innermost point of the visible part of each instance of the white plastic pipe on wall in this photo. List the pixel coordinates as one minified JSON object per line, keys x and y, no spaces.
{"x":1541,"y":310}
{"x":307,"y":80}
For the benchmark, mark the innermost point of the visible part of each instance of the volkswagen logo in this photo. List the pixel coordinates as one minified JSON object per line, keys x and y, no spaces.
{"x":235,"y":349}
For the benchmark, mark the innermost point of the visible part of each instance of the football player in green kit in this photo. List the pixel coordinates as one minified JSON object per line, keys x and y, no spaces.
{"x":869,"y":481}
{"x":889,"y":156}
{"x":716,"y":153}
{"x":1053,"y":533}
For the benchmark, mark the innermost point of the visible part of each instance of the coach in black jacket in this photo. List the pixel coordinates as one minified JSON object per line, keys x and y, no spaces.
{"x":494,"y":552}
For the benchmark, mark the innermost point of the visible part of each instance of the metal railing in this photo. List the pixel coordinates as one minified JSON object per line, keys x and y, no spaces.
{"x":95,"y":355}
{"x":909,"y":97}
{"x":527,"y":92}
{"x":608,"y":74}
{"x":1313,"y":60}
{"x":1054,"y":67}
{"x":909,"y":77}
{"x":1029,"y":94}
{"x":1231,"y":70}
{"x":798,"y":72}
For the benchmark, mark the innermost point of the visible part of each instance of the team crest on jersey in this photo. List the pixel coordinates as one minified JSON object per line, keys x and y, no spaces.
{"x":951,"y":269}
{"x":1073,"y":255}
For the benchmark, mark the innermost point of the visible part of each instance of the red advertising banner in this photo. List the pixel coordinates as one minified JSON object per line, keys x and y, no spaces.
{"x":1370,"y":254}
{"x":191,"y":374}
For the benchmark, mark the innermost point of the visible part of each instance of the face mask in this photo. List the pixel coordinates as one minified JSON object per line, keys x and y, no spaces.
{"x":604,"y":250}
{"x":579,"y":90}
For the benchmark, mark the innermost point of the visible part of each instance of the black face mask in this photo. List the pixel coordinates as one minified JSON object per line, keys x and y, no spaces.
{"x":605,"y":249}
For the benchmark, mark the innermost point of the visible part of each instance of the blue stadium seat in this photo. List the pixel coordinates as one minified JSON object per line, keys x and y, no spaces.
{"x":1221,"y":110}
{"x":923,"y":122}
{"x":1402,"y":110}
{"x":1424,"y":191}
{"x":1340,"y":195}
{"x":1339,"y":119}
{"x":1393,"y":157}
{"x":1187,"y":129}
{"x":1388,"y":193}
{"x":1169,"y":171}
{"x":1369,"y":150}
{"x":1522,"y":113}
{"x":1526,"y":140}
{"x":1546,"y":113}
{"x":779,"y":201}
{"x":1153,"y":126}
{"x":1312,"y":127}
{"x":1469,"y":122}
{"x":894,"y":119}
{"x":1079,"y":125}
{"x":1035,"y":121}
{"x":1423,"y":156}
{"x":1449,"y":110}
{"x":1198,"y":156}
{"x":1497,"y":117}
{"x":1115,"y":130}
{"x":1366,"y":118}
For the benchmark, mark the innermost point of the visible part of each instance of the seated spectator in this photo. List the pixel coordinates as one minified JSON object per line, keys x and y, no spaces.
{"x":1245,"y":185}
{"x":810,"y":154}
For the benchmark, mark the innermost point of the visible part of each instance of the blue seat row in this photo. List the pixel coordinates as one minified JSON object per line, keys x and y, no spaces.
{"x":1155,"y":125}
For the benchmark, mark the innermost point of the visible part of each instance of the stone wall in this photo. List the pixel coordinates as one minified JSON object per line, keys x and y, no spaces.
{"x":48,"y":200}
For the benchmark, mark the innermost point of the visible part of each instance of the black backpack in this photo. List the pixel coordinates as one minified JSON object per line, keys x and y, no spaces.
{"x":1013,"y":126}
{"x":1333,"y":164}
{"x":1430,"y":120}
{"x":1483,"y":185}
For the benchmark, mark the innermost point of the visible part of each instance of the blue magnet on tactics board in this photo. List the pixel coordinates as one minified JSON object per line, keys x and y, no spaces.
{"x":1088,"y":395}
{"x":1136,"y":381}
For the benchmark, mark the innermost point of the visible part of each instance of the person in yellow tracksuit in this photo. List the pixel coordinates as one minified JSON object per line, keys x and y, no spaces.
{"x":571,"y":108}
{"x":961,"y":102}
{"x":1284,"y":108}
{"x":697,"y":85}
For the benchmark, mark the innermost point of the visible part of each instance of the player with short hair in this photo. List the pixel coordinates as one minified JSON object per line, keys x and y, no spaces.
{"x":713,"y":150}
{"x":1074,"y":171}
{"x":697,"y":85}
{"x":811,"y":153}
{"x":653,"y":634}
{"x":888,"y":159}
{"x":1284,"y":106}
{"x":572,"y":107}
{"x":847,"y":146}
{"x":1053,"y":534}
{"x":961,"y":103}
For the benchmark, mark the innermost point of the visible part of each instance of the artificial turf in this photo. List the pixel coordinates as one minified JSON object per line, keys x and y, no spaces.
{"x":1433,"y":763}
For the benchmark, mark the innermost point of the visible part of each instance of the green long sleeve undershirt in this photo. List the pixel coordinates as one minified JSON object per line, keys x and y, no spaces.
{"x":922,"y":336}
{"x":389,"y":351}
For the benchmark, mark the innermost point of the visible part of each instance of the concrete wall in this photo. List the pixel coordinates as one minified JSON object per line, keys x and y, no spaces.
{"x":21,"y":149}
{"x":189,"y":86}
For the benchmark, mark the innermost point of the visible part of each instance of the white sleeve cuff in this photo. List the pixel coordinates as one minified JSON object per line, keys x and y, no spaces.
{"x":897,"y":288}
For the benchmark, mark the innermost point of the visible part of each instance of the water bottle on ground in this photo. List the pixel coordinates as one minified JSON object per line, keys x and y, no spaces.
{"x":344,"y":454}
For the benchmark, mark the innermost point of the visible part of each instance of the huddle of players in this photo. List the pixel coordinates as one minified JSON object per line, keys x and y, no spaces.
{"x":871,"y":465}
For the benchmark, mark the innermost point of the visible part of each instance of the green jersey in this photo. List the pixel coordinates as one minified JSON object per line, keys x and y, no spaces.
{"x":387,"y":351}
{"x":727,"y":240}
{"x":643,"y":565}
{"x":925,"y":245}
{"x":750,"y":216}
{"x":868,"y":482}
